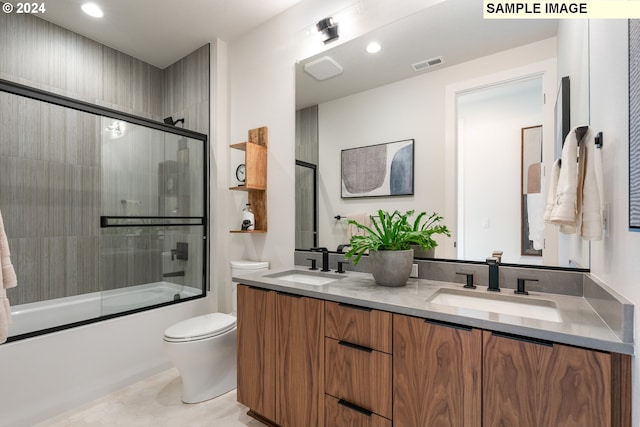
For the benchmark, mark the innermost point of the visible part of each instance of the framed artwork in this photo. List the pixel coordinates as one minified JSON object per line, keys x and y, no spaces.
{"x":532,"y":201}
{"x":634,"y":124}
{"x":378,"y":170}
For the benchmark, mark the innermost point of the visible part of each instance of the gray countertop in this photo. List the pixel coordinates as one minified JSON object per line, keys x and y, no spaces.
{"x":580,"y":325}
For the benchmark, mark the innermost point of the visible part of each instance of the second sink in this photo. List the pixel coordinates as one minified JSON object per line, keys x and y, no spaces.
{"x":500,"y":304}
{"x":307,"y":278}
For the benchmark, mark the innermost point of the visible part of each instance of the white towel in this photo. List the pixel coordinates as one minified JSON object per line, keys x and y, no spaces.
{"x":361,"y":218}
{"x":7,"y":280}
{"x":592,"y":191}
{"x":535,"y":216}
{"x":551,"y":190}
{"x":7,"y":274}
{"x":566,"y":207}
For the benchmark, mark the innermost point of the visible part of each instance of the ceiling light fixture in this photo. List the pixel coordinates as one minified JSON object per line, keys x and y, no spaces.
{"x":329,"y":29}
{"x":92,"y":9}
{"x":374,"y":47}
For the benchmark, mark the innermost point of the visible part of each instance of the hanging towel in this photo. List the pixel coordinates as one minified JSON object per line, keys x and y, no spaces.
{"x":551,"y":190}
{"x":361,"y":218}
{"x":592,"y":190}
{"x":7,"y":280}
{"x":565,"y":212}
{"x":535,"y":205}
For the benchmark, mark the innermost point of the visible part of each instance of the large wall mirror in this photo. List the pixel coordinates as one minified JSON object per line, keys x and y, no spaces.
{"x":465,"y":90}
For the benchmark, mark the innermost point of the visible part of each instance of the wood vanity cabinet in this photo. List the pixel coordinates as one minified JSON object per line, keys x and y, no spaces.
{"x":437,"y":374}
{"x":358,"y":360}
{"x":300,"y":361}
{"x":281,"y":357}
{"x":536,"y":383}
{"x":257,"y":350}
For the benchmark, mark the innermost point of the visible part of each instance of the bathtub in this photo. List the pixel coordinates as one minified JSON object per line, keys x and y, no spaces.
{"x":40,"y":315}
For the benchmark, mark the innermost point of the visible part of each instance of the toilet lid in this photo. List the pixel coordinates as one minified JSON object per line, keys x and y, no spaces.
{"x":201,"y":327}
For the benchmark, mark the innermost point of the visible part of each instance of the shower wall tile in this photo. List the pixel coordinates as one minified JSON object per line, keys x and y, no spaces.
{"x":53,"y":165}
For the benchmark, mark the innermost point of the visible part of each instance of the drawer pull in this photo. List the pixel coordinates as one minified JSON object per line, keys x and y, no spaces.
{"x":287,"y":294}
{"x":355,"y":307}
{"x":523,"y":339}
{"x":355,"y":346}
{"x":355,"y":407}
{"x":259,"y":289}
{"x":449,"y":325}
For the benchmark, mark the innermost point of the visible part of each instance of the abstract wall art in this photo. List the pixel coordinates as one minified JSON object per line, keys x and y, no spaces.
{"x":378,"y":170}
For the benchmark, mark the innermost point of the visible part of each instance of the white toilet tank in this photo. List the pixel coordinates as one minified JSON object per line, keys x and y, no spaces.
{"x":238,"y":268}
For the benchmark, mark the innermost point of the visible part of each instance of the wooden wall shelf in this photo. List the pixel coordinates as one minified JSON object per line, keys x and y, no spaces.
{"x":255,"y":160}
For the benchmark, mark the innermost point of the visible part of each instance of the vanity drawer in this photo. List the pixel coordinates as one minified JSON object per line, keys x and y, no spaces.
{"x":358,"y":325}
{"x":359,"y":375}
{"x":340,"y":413}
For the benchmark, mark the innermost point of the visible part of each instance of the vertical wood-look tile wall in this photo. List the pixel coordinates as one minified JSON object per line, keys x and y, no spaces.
{"x":50,"y":157}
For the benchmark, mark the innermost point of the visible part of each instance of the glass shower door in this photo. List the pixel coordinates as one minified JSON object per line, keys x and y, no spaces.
{"x":152,"y":217}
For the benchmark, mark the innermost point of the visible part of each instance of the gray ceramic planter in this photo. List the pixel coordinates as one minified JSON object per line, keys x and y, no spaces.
{"x":391,"y":268}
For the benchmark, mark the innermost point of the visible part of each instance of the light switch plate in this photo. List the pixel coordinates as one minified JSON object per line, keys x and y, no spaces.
{"x":414,"y":271}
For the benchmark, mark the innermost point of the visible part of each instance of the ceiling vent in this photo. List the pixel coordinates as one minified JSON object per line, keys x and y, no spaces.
{"x":427,"y":63}
{"x":323,"y":68}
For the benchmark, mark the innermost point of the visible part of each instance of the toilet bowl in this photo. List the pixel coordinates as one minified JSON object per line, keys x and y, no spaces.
{"x":203,"y":348}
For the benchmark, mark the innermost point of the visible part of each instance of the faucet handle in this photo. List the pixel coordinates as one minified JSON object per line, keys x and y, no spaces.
{"x":492,"y":260}
{"x":313,"y":263}
{"x":520,"y":289}
{"x":340,"y":266}
{"x":469,"y":284}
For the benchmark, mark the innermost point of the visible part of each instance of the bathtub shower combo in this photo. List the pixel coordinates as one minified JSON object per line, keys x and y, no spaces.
{"x":105,"y":211}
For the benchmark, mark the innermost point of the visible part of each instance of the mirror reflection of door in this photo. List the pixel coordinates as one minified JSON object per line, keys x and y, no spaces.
{"x":306,"y":178}
{"x":489,"y":124}
{"x":306,"y":205}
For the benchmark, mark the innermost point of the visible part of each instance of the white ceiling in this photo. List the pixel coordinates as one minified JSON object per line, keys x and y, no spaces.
{"x":161,"y":32}
{"x":454,"y":29}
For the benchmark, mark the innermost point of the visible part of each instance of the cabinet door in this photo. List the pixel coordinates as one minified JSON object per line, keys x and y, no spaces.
{"x":256,"y":350}
{"x":300,"y":361}
{"x":436,"y":374}
{"x":543,"y":384}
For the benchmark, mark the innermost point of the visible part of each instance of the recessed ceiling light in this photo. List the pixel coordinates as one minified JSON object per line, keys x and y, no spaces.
{"x":92,"y":9}
{"x":374,"y":47}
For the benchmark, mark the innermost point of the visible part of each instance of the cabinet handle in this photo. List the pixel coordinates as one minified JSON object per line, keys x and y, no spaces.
{"x":287,"y":294}
{"x":355,"y":407}
{"x":355,"y":346}
{"x":355,"y":307}
{"x":449,"y":325}
{"x":259,"y":289}
{"x":523,"y":339}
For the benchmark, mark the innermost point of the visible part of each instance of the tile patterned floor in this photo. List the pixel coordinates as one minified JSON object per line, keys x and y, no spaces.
{"x":155,"y":402}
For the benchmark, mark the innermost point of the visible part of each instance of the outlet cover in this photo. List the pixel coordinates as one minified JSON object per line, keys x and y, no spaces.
{"x":414,"y":271}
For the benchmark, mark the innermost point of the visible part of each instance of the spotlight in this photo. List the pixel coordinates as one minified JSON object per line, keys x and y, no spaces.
{"x":328,"y":28}
{"x":169,"y":121}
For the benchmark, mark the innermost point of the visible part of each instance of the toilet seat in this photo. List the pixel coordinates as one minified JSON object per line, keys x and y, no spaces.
{"x":200,"y":328}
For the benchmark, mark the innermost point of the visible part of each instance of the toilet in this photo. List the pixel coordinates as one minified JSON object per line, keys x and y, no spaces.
{"x":203,"y":348}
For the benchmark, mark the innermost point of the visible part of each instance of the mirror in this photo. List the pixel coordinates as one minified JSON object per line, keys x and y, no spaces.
{"x":378,"y":99}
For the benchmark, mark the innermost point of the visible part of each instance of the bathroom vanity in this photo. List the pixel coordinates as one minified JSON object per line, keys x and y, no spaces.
{"x":328,"y":349}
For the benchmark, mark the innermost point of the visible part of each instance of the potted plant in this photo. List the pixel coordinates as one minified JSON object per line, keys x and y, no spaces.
{"x":389,"y":241}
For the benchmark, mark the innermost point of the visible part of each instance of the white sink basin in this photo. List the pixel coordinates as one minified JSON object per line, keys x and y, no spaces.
{"x":528,"y":307}
{"x":307,"y":278}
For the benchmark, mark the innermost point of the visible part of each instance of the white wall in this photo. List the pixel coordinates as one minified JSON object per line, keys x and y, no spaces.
{"x":490,"y":155}
{"x":412,"y":108}
{"x":615,"y":259}
{"x":261,"y":92}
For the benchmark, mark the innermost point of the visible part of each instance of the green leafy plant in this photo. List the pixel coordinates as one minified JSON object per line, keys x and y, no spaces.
{"x":394,"y":232}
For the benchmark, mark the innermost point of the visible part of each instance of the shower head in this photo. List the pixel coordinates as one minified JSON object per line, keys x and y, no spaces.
{"x":169,"y":121}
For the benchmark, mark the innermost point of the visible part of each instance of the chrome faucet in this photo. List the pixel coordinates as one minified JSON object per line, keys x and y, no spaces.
{"x":325,"y":257}
{"x":494,"y":281}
